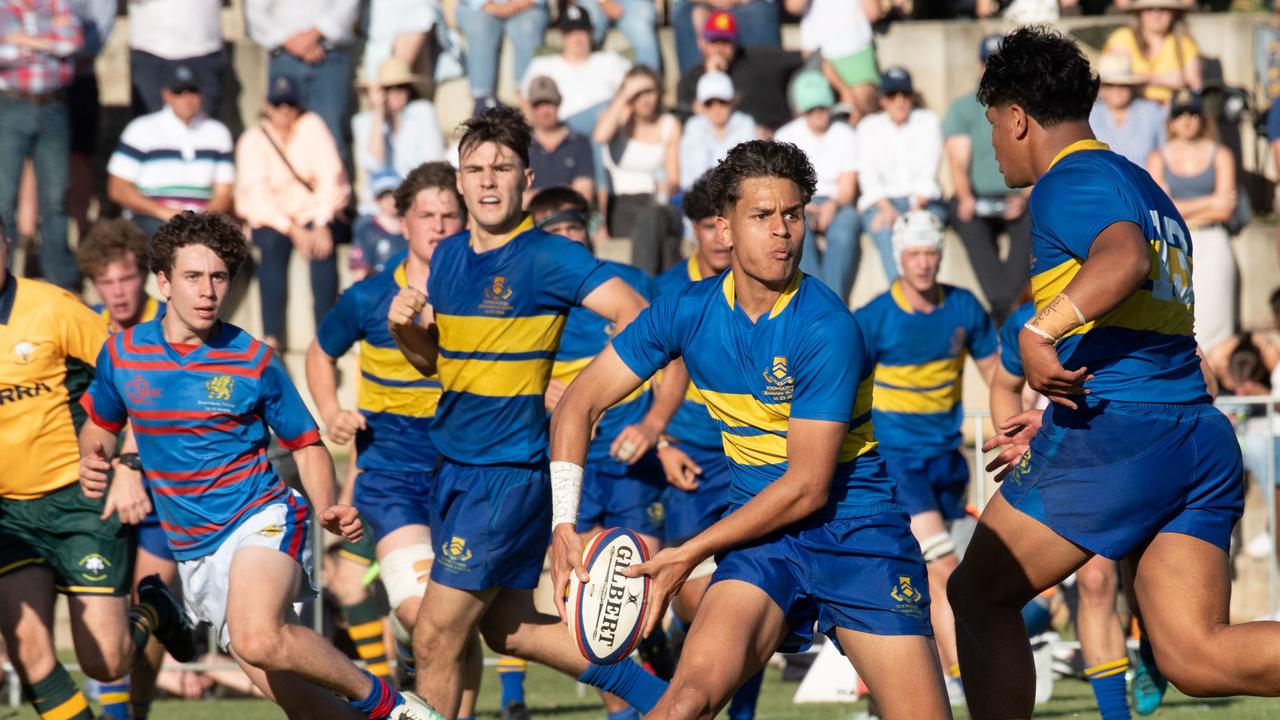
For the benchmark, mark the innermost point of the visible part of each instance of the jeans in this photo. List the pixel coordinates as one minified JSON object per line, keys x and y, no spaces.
{"x":884,"y":237}
{"x":838,"y":265}
{"x":638,"y":25}
{"x":655,"y":231}
{"x":484,"y":42}
{"x":148,"y":74}
{"x":1001,"y":280}
{"x":273,"y":281}
{"x":758,"y":26}
{"x":325,"y":89}
{"x":40,"y":131}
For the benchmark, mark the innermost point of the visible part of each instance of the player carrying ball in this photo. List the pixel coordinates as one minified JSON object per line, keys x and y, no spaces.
{"x":814,"y":533}
{"x":1132,"y":462}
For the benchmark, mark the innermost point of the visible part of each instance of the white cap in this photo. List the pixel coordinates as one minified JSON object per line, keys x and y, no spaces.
{"x":715,"y":86}
{"x":916,"y":229}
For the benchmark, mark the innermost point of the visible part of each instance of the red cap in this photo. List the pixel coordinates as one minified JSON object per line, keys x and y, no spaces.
{"x":721,"y":25}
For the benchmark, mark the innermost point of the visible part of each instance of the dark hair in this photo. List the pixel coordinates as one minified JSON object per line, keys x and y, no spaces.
{"x":697,"y":203}
{"x":759,"y":158}
{"x":1044,"y":73}
{"x":109,"y":241}
{"x":439,"y":174}
{"x":1245,"y":364}
{"x":558,"y":197}
{"x":213,"y":230}
{"x":1274,"y":301}
{"x":502,"y":126}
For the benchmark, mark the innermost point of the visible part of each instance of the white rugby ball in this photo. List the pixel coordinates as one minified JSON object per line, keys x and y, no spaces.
{"x":606,"y":613}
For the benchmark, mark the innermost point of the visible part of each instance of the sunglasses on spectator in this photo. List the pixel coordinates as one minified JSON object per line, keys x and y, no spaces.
{"x":715,"y":101}
{"x":184,"y":91}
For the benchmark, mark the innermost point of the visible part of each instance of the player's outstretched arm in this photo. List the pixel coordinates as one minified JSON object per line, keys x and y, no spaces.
{"x":419,"y":344}
{"x":615,"y":301}
{"x":812,"y":448}
{"x":1119,"y":262}
{"x":315,"y":468}
{"x":600,"y":385}
{"x":322,"y":380}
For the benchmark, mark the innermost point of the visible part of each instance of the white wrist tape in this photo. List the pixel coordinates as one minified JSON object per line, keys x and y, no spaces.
{"x":566,"y":491}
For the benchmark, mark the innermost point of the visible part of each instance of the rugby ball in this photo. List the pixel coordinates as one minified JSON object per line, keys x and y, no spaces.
{"x":606,"y":613}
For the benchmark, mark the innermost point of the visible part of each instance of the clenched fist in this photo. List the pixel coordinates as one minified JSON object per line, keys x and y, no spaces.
{"x":406,"y":308}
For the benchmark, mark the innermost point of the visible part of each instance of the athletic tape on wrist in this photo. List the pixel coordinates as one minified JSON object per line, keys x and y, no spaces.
{"x":566,"y":491}
{"x":1058,"y":318}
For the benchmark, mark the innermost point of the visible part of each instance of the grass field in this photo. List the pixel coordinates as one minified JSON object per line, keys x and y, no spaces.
{"x":551,"y":695}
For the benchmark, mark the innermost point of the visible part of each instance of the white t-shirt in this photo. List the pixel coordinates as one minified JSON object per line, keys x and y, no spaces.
{"x":899,"y":160}
{"x":837,"y":28}
{"x":581,"y":86}
{"x":175,"y":29}
{"x":832,"y":154}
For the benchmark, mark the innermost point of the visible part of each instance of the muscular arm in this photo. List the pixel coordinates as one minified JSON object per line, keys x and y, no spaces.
{"x":315,"y":468}
{"x":322,"y":380}
{"x":987,"y":366}
{"x":617,"y":302}
{"x":419,"y":344}
{"x":1006,"y":395}
{"x":600,"y":385}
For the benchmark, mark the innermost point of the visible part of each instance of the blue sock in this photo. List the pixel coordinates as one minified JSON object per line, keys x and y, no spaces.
{"x":404,"y":654}
{"x":380,"y":701}
{"x":1108,"y":682}
{"x":1035,"y":615}
{"x":628,"y":681}
{"x":511,"y":672}
{"x":743,"y":704}
{"x":115,"y":699}
{"x":628,"y":714}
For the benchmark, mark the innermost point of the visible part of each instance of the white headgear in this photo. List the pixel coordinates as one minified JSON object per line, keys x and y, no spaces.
{"x":916,"y":229}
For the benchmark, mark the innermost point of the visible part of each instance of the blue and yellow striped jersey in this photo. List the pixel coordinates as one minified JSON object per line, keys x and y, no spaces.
{"x":151,"y":310}
{"x":585,"y":335}
{"x":919,"y":361}
{"x":1144,"y":350}
{"x":500,"y":314}
{"x":691,"y":422}
{"x":1010,"y":355}
{"x":804,"y":359}
{"x":396,"y":401}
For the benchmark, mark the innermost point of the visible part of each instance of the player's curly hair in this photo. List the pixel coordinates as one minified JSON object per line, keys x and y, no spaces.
{"x":213,"y":230}
{"x":759,"y":158}
{"x":438,"y":174}
{"x":696,"y":202}
{"x":110,"y":241}
{"x":501,"y":125}
{"x":1044,"y":73}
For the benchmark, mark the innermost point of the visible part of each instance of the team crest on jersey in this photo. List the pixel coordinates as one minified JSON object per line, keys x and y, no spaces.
{"x":140,"y":391}
{"x":957,"y":342}
{"x":497,"y":296}
{"x":454,"y":554}
{"x":1022,"y":468}
{"x":220,"y":387}
{"x":907,"y":597}
{"x":657,"y":513}
{"x":778,"y":381}
{"x":24,"y":350}
{"x":94,"y":567}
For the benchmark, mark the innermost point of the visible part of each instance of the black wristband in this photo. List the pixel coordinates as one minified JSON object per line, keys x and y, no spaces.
{"x":131,"y":461}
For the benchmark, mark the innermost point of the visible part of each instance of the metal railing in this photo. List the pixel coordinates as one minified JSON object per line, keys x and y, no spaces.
{"x":978,"y":495}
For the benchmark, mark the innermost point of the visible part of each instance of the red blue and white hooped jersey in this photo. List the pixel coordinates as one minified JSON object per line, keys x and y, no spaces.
{"x":201,"y":421}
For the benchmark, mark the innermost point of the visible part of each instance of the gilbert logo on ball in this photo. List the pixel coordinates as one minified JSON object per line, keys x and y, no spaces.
{"x":606,"y":613}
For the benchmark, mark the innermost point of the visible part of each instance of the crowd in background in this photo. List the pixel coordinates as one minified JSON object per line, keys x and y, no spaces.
{"x":309,"y":174}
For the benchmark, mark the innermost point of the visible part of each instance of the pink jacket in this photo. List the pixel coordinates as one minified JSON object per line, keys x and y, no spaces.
{"x":268,"y":195}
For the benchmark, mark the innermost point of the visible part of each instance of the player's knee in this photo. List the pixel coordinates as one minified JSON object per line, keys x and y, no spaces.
{"x":962,"y":591}
{"x":939,"y":549}
{"x":404,"y":574}
{"x":688,"y":702}
{"x":434,"y":641}
{"x":107,"y":662}
{"x":31,"y":649}
{"x":505,"y":638}
{"x":1096,"y":585}
{"x":260,"y":645}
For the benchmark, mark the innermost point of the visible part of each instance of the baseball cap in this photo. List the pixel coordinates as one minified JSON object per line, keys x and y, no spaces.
{"x":1186,"y":101}
{"x":721,"y":25}
{"x":811,"y":90}
{"x":574,"y":18}
{"x":543,"y":89}
{"x":383,"y":181}
{"x":183,"y":79}
{"x":715,"y":86}
{"x":896,"y":80}
{"x":989,"y":46}
{"x":283,"y":91}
